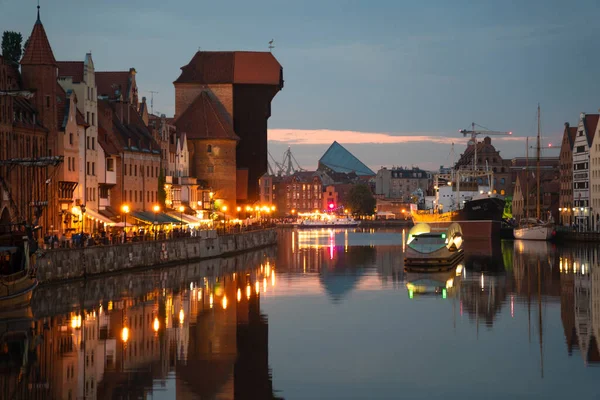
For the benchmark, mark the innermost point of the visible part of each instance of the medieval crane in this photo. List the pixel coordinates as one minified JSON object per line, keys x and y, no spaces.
{"x":479,"y":130}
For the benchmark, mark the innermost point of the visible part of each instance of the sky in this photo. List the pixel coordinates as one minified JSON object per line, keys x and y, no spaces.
{"x":393,"y":81}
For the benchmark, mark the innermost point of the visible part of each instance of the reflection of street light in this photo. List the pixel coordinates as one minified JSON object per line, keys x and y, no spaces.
{"x":82,"y":217}
{"x":224,"y":302}
{"x":181,"y":316}
{"x":239,"y":294}
{"x":156,"y":324}
{"x":125,"y":210}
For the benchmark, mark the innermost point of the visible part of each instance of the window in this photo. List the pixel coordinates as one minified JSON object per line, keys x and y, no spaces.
{"x":135,"y":170}
{"x":125,"y":170}
{"x":156,"y":173}
{"x":88,"y":168}
{"x":70,"y":138}
{"x":47,"y":101}
{"x":130,"y":174}
{"x":209,"y":148}
{"x":580,"y":149}
{"x":88,"y":142}
{"x":93,"y":143}
{"x":93,"y":119}
{"x":211,"y":168}
{"x":93,"y":168}
{"x":110,"y":164}
{"x":130,"y":195}
{"x":135,"y":193}
{"x":87,"y":117}
{"x":147,"y":171}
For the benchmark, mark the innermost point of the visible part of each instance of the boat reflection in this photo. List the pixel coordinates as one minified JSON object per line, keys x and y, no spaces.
{"x":194,"y":331}
{"x":445,"y":284}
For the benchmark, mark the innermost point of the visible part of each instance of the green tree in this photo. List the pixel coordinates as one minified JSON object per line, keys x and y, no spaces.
{"x":360,"y":200}
{"x":162,"y":193}
{"x":11,"y":46}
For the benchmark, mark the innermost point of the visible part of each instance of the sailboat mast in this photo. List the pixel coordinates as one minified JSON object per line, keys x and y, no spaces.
{"x":527,"y":178}
{"x":538,"y":166}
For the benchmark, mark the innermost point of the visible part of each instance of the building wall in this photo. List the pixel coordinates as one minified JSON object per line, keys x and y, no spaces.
{"x":186,"y":93}
{"x":217,"y":167}
{"x":581,"y":169}
{"x":138,"y":181}
{"x":595,"y":178}
{"x":302,"y":195}
{"x":566,"y":179}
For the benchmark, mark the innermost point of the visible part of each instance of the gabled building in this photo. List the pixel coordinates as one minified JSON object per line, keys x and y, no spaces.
{"x":549,"y":195}
{"x":79,"y":77}
{"x":595,"y":180}
{"x":565,"y":202}
{"x":586,"y":130}
{"x":118,"y":86}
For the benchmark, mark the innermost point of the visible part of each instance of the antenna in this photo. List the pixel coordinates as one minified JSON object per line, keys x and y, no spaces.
{"x":152,"y":101}
{"x":271,"y":45}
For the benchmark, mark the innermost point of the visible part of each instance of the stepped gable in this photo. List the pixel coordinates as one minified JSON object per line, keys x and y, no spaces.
{"x":206,"y":118}
{"x":72,"y":69}
{"x":338,"y":159}
{"x":38,"y":51}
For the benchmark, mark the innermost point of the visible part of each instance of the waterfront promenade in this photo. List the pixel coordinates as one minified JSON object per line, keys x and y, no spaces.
{"x":79,"y":263}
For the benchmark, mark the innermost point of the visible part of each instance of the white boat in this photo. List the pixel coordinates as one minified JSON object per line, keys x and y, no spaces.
{"x":433,"y":250}
{"x":328,"y":221}
{"x":534,"y":228}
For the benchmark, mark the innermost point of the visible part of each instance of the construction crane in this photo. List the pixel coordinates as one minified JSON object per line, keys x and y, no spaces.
{"x":288,"y":166}
{"x":481,"y":130}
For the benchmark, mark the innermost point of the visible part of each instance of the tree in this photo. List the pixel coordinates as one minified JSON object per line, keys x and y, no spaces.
{"x":361,"y":200}
{"x":11,"y":46}
{"x":162,"y":193}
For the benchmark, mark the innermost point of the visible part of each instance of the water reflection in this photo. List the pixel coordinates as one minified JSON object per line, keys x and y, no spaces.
{"x":186,"y":332}
{"x":201,"y":330}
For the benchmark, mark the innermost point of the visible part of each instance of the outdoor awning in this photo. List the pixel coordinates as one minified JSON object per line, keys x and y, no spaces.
{"x":186,"y":218}
{"x":91,"y":214}
{"x":150,"y":217}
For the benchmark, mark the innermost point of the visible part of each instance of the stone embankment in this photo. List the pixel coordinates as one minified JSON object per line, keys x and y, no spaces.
{"x":62,"y":297}
{"x":65,"y":264}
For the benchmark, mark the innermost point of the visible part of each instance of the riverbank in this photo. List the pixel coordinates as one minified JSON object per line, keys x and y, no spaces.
{"x":80,"y":263}
{"x":570,"y":236}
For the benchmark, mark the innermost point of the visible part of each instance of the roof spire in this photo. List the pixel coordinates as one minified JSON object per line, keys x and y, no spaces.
{"x":38,"y":18}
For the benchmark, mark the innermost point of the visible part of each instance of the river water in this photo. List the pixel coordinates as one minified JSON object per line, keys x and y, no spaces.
{"x":324,"y":315}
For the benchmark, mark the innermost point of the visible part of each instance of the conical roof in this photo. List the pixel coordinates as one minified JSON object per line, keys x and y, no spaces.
{"x":38,"y":51}
{"x":338,"y":159}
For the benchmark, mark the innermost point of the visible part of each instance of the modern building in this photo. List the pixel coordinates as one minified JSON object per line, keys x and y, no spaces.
{"x":401,"y":183}
{"x":565,"y":202}
{"x":337,"y":159}
{"x":301,"y":192}
{"x":234,"y":91}
{"x":586,"y":130}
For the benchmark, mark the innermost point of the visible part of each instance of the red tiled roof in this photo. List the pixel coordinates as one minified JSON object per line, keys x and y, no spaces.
{"x":205,"y":118}
{"x":108,"y":83}
{"x":73,"y":69}
{"x":572,"y":135}
{"x":38,"y":51}
{"x":243,"y":67}
{"x":106,"y":142}
{"x":591,"y":121}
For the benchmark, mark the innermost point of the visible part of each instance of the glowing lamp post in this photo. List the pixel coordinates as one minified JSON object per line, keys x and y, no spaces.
{"x":156,"y":209}
{"x":181,"y":209}
{"x":125,"y":210}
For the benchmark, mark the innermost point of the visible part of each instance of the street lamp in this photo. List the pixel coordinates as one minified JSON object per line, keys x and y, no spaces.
{"x":125,"y":210}
{"x":238,"y":209}
{"x":181,"y":208}
{"x":82,"y":218}
{"x":156,"y":209}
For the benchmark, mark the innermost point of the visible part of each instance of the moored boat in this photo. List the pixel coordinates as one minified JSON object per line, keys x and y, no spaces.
{"x":431,"y":249}
{"x":17,"y":278}
{"x":533,"y":229}
{"x":318,"y":220}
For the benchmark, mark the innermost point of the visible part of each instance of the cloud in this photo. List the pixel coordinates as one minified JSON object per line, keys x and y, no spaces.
{"x":327,"y":136}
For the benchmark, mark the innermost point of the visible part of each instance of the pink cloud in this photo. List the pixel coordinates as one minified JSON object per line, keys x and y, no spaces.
{"x":327,"y":136}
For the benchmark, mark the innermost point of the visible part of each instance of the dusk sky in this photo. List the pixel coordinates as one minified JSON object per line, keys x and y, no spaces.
{"x":393,"y":81}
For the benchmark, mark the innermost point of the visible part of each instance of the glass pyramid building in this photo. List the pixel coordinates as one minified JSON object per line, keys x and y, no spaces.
{"x":338,"y":159}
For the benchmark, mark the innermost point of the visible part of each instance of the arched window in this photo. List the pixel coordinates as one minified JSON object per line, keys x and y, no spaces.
{"x":502,"y":181}
{"x":209,"y":148}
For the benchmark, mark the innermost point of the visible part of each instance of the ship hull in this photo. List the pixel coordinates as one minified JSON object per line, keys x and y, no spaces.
{"x":486,"y":209}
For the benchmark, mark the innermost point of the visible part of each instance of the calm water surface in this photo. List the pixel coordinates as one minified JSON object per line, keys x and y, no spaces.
{"x":325,"y":315}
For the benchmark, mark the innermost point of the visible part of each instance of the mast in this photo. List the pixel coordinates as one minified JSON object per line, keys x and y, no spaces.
{"x":527,"y":178}
{"x":537,"y":210}
{"x":540,"y":319}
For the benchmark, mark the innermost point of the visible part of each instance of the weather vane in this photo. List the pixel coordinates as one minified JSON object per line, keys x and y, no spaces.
{"x":271,"y":45}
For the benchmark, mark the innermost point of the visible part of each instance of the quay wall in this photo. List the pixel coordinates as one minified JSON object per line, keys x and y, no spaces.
{"x":570,"y":236}
{"x":64,"y":296}
{"x":65,"y":264}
